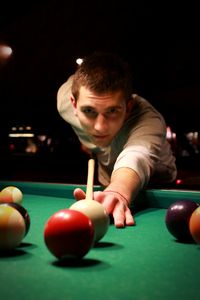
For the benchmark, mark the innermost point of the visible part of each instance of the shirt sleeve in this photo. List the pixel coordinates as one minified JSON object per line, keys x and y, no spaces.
{"x":145,"y":145}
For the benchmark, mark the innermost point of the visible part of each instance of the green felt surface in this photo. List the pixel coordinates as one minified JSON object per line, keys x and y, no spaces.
{"x":143,"y":262}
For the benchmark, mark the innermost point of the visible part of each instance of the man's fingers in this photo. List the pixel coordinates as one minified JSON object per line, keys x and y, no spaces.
{"x":129,"y":218}
{"x":119,"y":215}
{"x":122,"y":216}
{"x":79,"y":194}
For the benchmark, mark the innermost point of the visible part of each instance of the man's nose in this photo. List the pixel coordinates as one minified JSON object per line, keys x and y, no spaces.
{"x":101,"y":124}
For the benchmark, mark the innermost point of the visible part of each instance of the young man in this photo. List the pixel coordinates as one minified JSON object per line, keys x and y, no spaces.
{"x":125,"y":132}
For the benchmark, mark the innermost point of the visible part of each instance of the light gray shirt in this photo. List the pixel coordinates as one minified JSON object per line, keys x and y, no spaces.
{"x":140,"y":144}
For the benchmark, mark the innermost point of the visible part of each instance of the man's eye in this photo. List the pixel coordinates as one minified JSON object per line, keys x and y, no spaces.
{"x":112,"y":110}
{"x":89,"y":111}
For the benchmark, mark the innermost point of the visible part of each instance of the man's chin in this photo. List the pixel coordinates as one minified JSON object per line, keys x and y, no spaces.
{"x":101,"y":142}
{"x":102,"y":145}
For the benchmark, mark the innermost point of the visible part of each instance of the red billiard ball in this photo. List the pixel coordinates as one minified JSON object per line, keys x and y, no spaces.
{"x":69,"y":234}
{"x":11,"y":194}
{"x":177,"y":219}
{"x":23,"y":212}
{"x":194,"y":225}
{"x":12,"y":228}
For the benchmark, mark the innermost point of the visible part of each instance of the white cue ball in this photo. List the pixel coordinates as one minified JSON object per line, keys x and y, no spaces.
{"x":97,"y":214}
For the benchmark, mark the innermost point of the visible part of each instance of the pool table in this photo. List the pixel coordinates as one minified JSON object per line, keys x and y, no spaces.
{"x":143,"y":262}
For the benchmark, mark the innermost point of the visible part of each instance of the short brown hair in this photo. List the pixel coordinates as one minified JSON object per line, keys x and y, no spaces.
{"x":102,"y":73}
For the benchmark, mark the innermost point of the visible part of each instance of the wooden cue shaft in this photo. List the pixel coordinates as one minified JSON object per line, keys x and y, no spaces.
{"x":90,"y":179}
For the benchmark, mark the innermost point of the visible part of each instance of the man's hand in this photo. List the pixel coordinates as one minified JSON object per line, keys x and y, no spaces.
{"x":114,"y":203}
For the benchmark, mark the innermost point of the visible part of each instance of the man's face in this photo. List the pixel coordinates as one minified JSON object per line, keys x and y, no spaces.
{"x":101,"y":116}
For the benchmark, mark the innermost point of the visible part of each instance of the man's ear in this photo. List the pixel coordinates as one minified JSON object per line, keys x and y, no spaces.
{"x":129,"y":106}
{"x":74,"y":104}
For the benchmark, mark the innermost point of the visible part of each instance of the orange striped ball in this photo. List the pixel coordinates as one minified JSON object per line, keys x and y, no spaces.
{"x":194,"y":225}
{"x":11,"y":194}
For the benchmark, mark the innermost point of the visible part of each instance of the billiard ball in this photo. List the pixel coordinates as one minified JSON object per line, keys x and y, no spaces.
{"x":69,"y":234}
{"x":97,"y":213}
{"x":23,"y":212}
{"x":177,"y":219}
{"x":194,"y":225}
{"x":11,"y":194}
{"x":12,"y":228}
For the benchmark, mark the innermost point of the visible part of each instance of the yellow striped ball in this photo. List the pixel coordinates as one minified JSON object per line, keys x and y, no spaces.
{"x":12,"y":228}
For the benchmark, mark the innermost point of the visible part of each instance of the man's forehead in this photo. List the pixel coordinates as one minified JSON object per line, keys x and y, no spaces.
{"x":88,"y":97}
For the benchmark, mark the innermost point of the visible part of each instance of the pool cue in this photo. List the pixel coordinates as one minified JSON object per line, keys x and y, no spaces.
{"x":90,"y":179}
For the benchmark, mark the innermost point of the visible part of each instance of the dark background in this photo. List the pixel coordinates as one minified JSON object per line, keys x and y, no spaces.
{"x":160,"y":41}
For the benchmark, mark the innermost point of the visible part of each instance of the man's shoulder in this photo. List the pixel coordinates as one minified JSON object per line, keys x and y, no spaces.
{"x":144,"y":105}
{"x":64,"y":91}
{"x":64,"y":106}
{"x":141,"y":100}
